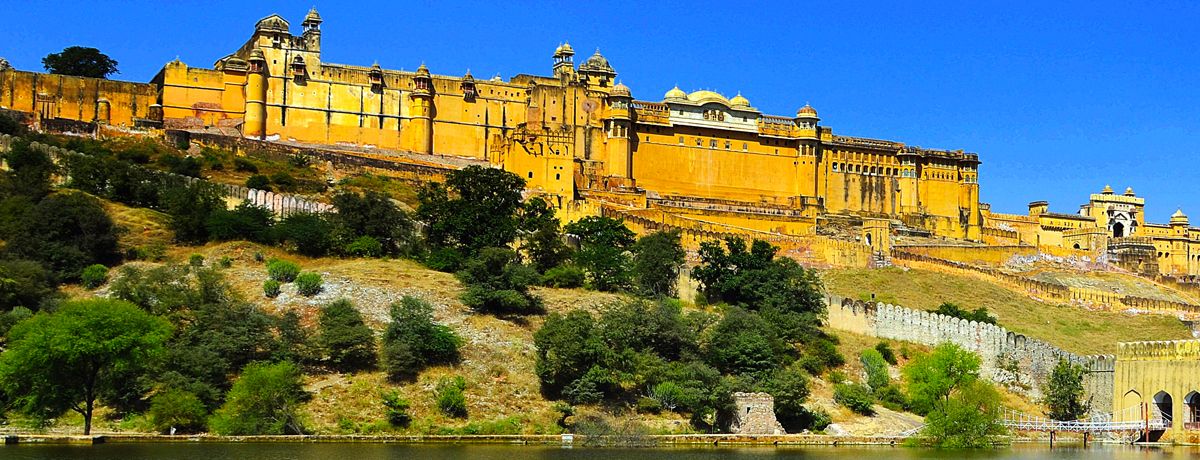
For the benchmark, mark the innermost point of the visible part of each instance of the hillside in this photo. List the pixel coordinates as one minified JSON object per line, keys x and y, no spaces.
{"x":1071,"y":328}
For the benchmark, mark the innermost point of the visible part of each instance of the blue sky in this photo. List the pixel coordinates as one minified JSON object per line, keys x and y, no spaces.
{"x":1058,"y":99}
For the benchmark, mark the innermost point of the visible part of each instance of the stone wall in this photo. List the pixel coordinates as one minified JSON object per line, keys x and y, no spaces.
{"x":1010,"y":359}
{"x":281,"y":204}
{"x":754,"y":413}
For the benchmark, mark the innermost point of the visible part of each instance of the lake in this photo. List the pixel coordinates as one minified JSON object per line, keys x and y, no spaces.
{"x":372,"y":451}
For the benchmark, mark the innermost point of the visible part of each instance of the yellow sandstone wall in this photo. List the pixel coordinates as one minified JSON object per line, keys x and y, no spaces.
{"x":76,"y":98}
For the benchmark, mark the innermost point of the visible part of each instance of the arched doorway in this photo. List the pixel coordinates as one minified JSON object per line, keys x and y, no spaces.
{"x":1163,"y":402}
{"x":868,"y":239}
{"x":1118,"y":230}
{"x":1131,"y":401}
{"x":1191,"y":413}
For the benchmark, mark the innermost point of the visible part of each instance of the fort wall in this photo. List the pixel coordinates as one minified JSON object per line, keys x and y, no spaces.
{"x":1008,"y":358}
{"x":92,"y":100}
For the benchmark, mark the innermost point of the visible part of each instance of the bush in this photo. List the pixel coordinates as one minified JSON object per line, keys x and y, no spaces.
{"x":271,"y":288}
{"x":657,"y":258}
{"x":497,"y":282}
{"x":181,"y":165}
{"x":447,"y":260}
{"x":648,"y":405}
{"x":196,"y":260}
{"x":821,"y":354}
{"x":816,"y":419}
{"x":244,"y":165}
{"x":450,"y":398}
{"x":875,"y":367}
{"x":264,"y":400}
{"x":855,"y":397}
{"x":396,"y":408}
{"x":178,"y":409}
{"x":94,"y":276}
{"x":604,"y":243}
{"x":282,"y":270}
{"x":66,"y":232}
{"x":886,"y":352}
{"x":284,"y":180}
{"x":308,"y":233}
{"x":563,"y":276}
{"x":892,"y":398}
{"x":225,"y":262}
{"x":413,"y":341}
{"x":365,"y":246}
{"x":345,"y":338}
{"x":258,"y":182}
{"x":244,"y":222}
{"x":789,"y":387}
{"x":28,"y":284}
{"x":309,"y":284}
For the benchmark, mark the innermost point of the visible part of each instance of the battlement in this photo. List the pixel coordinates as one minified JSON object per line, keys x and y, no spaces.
{"x":1168,"y":350}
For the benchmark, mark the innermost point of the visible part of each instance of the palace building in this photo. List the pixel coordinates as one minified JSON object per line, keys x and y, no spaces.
{"x":591,"y":145}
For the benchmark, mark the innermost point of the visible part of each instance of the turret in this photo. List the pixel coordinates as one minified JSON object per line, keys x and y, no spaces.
{"x":1038,"y":208}
{"x":619,"y":125}
{"x":468,"y":87}
{"x":421,"y":124}
{"x":806,"y":120}
{"x":255,"y":123}
{"x":564,"y":63}
{"x":312,"y":30}
{"x":1179,"y":223}
{"x":375,"y":75}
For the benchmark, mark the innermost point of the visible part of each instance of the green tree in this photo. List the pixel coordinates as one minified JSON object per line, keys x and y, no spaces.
{"x":190,"y":207}
{"x":790,"y":388}
{"x":373,"y":215}
{"x":743,"y":343}
{"x":876,"y":368}
{"x":308,"y":233}
{"x":567,"y":347}
{"x":295,"y":341}
{"x":68,"y":359}
{"x":178,"y":409}
{"x":80,"y":61}
{"x":246,"y":221}
{"x":264,"y":400}
{"x":979,"y":315}
{"x":1064,"y":392}
{"x":541,"y":240}
{"x":497,"y":282}
{"x":66,"y":232}
{"x":24,"y":283}
{"x":412,"y":340}
{"x":28,"y":171}
{"x":854,"y":396}
{"x":476,"y":208}
{"x":345,"y":338}
{"x":960,"y":409}
{"x":604,"y":245}
{"x":450,"y":397}
{"x":657,"y":258}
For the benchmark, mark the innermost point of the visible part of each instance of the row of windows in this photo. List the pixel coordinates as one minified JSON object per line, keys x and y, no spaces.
{"x":860,"y":169}
{"x":1167,"y":254}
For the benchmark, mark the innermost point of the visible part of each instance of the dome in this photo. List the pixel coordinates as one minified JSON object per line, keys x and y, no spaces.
{"x":806,"y":112}
{"x":596,"y":63}
{"x":558,"y":51}
{"x":675,"y":93}
{"x":312,"y":17}
{"x":272,"y":23}
{"x":1178,"y":215}
{"x":468,"y":76}
{"x":422,"y":70}
{"x":621,"y":90}
{"x":567,"y":50}
{"x":1107,"y":190}
{"x":739,"y":101}
{"x":257,"y":55}
{"x":705,"y":96}
{"x":1128,"y":191}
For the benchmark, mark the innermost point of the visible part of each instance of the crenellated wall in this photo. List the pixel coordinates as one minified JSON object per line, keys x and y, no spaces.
{"x":1009,"y":359}
{"x":1162,"y":375}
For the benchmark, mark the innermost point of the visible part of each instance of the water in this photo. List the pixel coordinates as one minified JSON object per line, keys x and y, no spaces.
{"x":368,"y":451}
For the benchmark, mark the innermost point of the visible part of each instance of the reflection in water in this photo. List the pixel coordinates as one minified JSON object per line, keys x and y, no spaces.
{"x":365,"y":451}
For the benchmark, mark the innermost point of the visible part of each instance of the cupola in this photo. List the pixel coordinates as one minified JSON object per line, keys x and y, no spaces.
{"x":675,"y":93}
{"x":468,"y":87}
{"x":739,"y":101}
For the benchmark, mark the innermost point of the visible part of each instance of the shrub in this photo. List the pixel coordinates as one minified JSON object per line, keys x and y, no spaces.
{"x":648,"y":405}
{"x":892,"y":398}
{"x":444,"y":260}
{"x":816,"y":419}
{"x":308,"y":233}
{"x":178,"y":409}
{"x":886,"y":352}
{"x":264,"y":400}
{"x":271,"y":288}
{"x":244,"y":165}
{"x":450,"y":398}
{"x":563,"y":276}
{"x":345,"y":338}
{"x":244,"y":222}
{"x":284,"y":180}
{"x":258,"y":182}
{"x":413,"y":340}
{"x":396,"y":408}
{"x":282,"y":270}
{"x":225,"y":262}
{"x":309,"y":284}
{"x":821,"y":354}
{"x":196,"y":260}
{"x":789,"y":387}
{"x":365,"y":246}
{"x":855,"y":397}
{"x":657,"y":258}
{"x":875,"y":367}
{"x":94,"y":276}
{"x":497,"y":282}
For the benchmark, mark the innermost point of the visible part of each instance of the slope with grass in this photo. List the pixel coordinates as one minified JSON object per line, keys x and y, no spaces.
{"x":1074,"y":329}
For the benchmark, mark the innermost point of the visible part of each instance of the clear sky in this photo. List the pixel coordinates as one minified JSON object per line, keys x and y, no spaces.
{"x":1058,"y":98}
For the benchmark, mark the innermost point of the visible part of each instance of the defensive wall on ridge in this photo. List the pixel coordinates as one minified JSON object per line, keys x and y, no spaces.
{"x":1010,"y":359}
{"x":1047,"y":291}
{"x":279,"y":203}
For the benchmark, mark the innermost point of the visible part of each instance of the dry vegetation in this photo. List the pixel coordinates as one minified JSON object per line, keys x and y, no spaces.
{"x":1074,"y":329}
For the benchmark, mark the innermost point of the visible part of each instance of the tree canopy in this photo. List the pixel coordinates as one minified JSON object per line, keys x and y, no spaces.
{"x":960,"y":409}
{"x":65,"y":360}
{"x":475,"y":209}
{"x":1064,"y":392}
{"x":80,"y":61}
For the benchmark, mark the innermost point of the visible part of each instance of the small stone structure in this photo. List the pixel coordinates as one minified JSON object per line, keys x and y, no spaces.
{"x":754,"y":413}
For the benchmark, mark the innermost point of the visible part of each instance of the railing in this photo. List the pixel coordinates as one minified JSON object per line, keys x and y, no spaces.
{"x":1132,"y":419}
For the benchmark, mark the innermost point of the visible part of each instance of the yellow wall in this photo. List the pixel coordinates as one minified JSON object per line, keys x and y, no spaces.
{"x":75,"y":98}
{"x":1143,"y":369}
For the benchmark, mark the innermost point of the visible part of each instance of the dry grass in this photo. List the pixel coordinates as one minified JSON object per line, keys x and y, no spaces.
{"x":1072,"y":328}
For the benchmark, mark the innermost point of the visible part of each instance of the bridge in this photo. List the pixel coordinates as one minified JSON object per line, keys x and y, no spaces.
{"x":1132,"y":422}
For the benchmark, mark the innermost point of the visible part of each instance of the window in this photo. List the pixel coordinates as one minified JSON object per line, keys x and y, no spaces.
{"x":556,"y":176}
{"x":680,"y":140}
{"x":712,"y":143}
{"x":727,"y":144}
{"x":531,"y":174}
{"x":699,"y":142}
{"x":745,"y":146}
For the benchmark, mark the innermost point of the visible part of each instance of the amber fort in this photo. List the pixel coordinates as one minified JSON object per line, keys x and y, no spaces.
{"x":700,"y":161}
